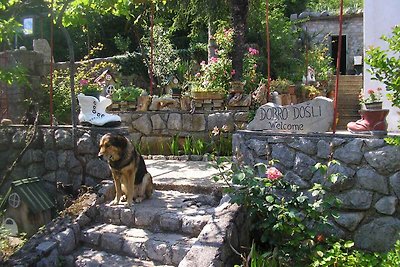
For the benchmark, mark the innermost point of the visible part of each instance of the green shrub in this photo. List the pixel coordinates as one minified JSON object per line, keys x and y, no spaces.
{"x":127,"y":93}
{"x":280,"y":214}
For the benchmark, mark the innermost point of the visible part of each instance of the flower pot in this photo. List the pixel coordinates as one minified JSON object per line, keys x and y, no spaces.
{"x":374,"y":105}
{"x":292,"y":89}
{"x":236,"y":87}
{"x":176,"y":92}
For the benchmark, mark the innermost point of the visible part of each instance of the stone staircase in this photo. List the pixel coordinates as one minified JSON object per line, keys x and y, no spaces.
{"x":175,"y":227}
{"x":348,"y":103}
{"x":157,"y":232}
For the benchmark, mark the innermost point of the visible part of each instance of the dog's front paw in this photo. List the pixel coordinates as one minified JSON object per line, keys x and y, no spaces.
{"x":128,"y":204}
{"x":114,"y":202}
{"x":138,"y":199}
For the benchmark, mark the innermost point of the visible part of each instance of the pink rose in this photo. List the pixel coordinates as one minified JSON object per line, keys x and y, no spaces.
{"x":273,"y":173}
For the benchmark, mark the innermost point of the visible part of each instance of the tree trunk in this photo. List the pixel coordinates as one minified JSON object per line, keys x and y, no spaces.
{"x":239,"y":9}
{"x":212,"y":45}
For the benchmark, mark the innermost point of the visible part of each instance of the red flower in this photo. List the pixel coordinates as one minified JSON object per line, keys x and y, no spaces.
{"x":370,"y":91}
{"x":83,"y":82}
{"x":273,"y":173}
{"x":320,"y":238}
{"x":233,"y":72}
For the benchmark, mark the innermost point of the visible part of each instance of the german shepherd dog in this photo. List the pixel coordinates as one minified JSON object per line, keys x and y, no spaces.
{"x":127,"y":167}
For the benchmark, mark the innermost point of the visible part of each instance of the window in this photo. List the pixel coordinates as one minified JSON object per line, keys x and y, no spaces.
{"x":14,"y":200}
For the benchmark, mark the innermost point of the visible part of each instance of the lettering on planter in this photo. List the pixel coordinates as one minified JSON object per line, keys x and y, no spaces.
{"x":312,"y":116}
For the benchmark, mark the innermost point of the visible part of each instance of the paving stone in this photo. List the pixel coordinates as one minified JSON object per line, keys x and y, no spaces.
{"x":111,"y":242}
{"x":193,"y":225}
{"x":90,"y":257}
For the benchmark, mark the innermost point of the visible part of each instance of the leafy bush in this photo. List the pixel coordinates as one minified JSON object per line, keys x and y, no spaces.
{"x":281,"y":214}
{"x":165,"y":55}
{"x":385,"y":65}
{"x":127,"y":93}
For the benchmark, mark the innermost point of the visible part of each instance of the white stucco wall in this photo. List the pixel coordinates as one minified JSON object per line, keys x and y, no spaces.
{"x":379,"y":18}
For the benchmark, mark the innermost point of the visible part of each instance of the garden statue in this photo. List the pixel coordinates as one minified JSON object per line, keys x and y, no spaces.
{"x":93,"y":111}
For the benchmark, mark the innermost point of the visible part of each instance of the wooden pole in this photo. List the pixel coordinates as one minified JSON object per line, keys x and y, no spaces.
{"x":335,"y":101}
{"x":268,"y":50}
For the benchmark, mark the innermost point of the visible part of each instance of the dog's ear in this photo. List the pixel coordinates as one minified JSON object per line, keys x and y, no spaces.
{"x":119,"y":141}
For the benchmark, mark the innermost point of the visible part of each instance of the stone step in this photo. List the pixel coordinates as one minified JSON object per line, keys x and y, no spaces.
{"x":86,"y":257}
{"x":166,"y":211}
{"x":165,"y":248}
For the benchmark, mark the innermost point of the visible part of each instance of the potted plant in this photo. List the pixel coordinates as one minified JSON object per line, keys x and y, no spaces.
{"x":281,"y":86}
{"x":373,"y":100}
{"x":89,"y":89}
{"x":213,"y":79}
{"x":125,"y":97}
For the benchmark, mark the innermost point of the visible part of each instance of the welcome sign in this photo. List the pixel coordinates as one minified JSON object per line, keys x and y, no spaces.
{"x":312,"y":116}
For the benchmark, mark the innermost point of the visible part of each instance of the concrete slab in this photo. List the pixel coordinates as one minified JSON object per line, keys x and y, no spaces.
{"x":183,"y":176}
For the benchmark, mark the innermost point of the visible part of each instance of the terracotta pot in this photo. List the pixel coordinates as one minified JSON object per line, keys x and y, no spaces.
{"x":292,"y":89}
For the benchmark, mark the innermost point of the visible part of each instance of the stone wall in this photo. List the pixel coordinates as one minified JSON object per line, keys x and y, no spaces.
{"x":369,"y":213}
{"x":154,"y":130}
{"x":12,"y":97}
{"x":52,"y":156}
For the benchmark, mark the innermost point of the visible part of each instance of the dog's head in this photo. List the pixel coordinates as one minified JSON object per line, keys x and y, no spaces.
{"x":112,"y":147}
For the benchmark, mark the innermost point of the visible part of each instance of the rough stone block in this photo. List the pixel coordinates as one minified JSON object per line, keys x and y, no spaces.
{"x":304,"y":145}
{"x":385,"y":160}
{"x":175,"y":122}
{"x":50,"y":160}
{"x":90,"y":236}
{"x":284,"y":154}
{"x":156,"y":250}
{"x":192,"y":225}
{"x":356,"y":199}
{"x":145,"y":217}
{"x":350,"y":153}
{"x":63,"y":139}
{"x":111,"y":242}
{"x":170,"y":222}
{"x":323,"y":149}
{"x":98,"y":168}
{"x":66,"y":241}
{"x":46,"y":246}
{"x":220,"y":119}
{"x":143,"y":125}
{"x":134,"y":246}
{"x":378,"y":235}
{"x":369,"y":179}
{"x":157,"y":122}
{"x":85,"y":145}
{"x":387,"y":205}
{"x":302,"y":165}
{"x":349,"y":220}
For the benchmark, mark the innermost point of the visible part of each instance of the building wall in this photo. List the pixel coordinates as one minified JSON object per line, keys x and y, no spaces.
{"x":379,"y":18}
{"x":320,"y":27}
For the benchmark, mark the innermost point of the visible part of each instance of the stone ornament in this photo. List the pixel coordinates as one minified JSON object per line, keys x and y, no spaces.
{"x":312,"y":116}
